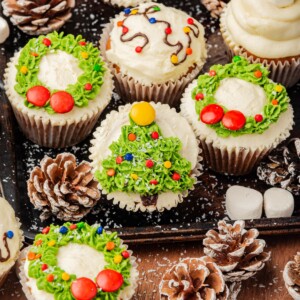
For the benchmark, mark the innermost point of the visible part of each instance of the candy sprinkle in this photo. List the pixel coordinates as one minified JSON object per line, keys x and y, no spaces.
{"x":125,"y":254}
{"x":99,"y":230}
{"x":186,"y":29}
{"x":118,"y":259}
{"x":138,"y":49}
{"x":84,"y":55}
{"x":46,"y":230}
{"x":9,"y":234}
{"x":189,"y":51}
{"x":190,"y":21}
{"x":127,"y":11}
{"x":110,"y":246}
{"x":274,"y":102}
{"x":152,"y":20}
{"x":174,"y":59}
{"x":65,"y":276}
{"x":111,"y":172}
{"x":50,"y":278}
{"x":63,"y":230}
{"x":167,"y":164}
{"x":168,"y":30}
{"x":134,"y":176}
{"x":24,"y":70}
{"x":278,"y":88}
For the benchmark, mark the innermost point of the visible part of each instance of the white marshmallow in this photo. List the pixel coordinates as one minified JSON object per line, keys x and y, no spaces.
{"x":243,"y":203}
{"x":4,"y":30}
{"x":278,"y":203}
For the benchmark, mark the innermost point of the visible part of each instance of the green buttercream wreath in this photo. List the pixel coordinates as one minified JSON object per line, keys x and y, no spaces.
{"x":207,"y":85}
{"x":89,"y":61}
{"x":45,"y":249}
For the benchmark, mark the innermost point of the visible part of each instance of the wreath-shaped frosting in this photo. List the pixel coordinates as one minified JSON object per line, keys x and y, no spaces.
{"x":36,"y":94}
{"x":232,"y":122}
{"x":52,"y":279}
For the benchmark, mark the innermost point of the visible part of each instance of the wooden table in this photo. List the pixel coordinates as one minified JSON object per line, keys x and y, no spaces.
{"x":154,"y":259}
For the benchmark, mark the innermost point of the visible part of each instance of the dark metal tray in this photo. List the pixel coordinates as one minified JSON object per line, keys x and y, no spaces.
{"x":191,"y":219}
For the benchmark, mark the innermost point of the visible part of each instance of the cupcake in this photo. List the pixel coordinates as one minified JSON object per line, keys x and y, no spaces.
{"x":267,"y":32}
{"x":291,"y":276}
{"x":125,"y":3}
{"x":11,"y":239}
{"x":77,"y":261}
{"x":238,"y":113}
{"x":58,"y":86}
{"x":153,"y":51}
{"x":145,"y":157}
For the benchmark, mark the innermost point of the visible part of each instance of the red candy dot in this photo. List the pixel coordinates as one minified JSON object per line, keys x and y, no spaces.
{"x":88,"y":86}
{"x":109,"y":280}
{"x":155,"y":135}
{"x":190,"y":21}
{"x":274,"y":102}
{"x":50,"y":278}
{"x":138,"y":49}
{"x":149,"y":163}
{"x":212,"y":73}
{"x":125,"y":29}
{"x":189,"y":51}
{"x":38,"y":95}
{"x":211,"y":114}
{"x":234,"y":120}
{"x":131,"y":137}
{"x":125,"y":254}
{"x":168,"y":30}
{"x":47,"y":42}
{"x":176,"y":176}
{"x":83,"y":289}
{"x":258,"y":118}
{"x":62,"y":102}
{"x":199,"y":96}
{"x":257,"y":74}
{"x":46,"y":230}
{"x":44,"y":267}
{"x":119,"y":159}
{"x":153,"y":181}
{"x":82,"y":43}
{"x":73,"y":226}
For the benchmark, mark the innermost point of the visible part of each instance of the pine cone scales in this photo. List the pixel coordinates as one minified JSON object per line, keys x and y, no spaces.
{"x":237,"y":252}
{"x":38,"y":17}
{"x":62,"y":188}
{"x":214,"y":6}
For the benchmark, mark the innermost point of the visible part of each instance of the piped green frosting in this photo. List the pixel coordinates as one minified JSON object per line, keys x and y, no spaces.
{"x":242,"y":69}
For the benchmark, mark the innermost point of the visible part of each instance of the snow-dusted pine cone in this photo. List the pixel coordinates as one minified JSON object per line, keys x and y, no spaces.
{"x":194,"y":279}
{"x":291,"y":276}
{"x":62,"y":188}
{"x":37,"y":17}
{"x":282,"y":167}
{"x":236,"y":251}
{"x":214,"y":6}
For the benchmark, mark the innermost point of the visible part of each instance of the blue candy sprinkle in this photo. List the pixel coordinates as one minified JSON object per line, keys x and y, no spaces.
{"x":152,"y":20}
{"x":127,"y":11}
{"x":128,"y":156}
{"x":10,"y":234}
{"x":99,"y":230}
{"x":63,"y":230}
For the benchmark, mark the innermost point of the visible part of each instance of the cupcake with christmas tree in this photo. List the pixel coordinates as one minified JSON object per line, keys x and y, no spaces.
{"x":58,"y":86}
{"x":153,"y":51}
{"x":145,"y":157}
{"x":238,"y":113}
{"x":77,"y":261}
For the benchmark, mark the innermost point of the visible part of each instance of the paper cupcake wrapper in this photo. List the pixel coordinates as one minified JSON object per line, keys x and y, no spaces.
{"x":126,"y":293}
{"x":284,"y":71}
{"x":56,"y":134}
{"x":125,"y":3}
{"x":131,"y":90}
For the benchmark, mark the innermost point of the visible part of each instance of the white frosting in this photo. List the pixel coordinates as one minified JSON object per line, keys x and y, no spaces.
{"x":4,"y":30}
{"x":59,"y":69}
{"x":278,"y":203}
{"x":282,"y":3}
{"x":243,"y":203}
{"x":8,"y":222}
{"x":153,"y":64}
{"x":264,"y":28}
{"x":126,"y":3}
{"x":238,"y":94}
{"x":270,"y":138}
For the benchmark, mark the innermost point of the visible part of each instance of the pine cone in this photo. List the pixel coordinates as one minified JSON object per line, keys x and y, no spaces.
{"x":37,"y":17}
{"x":61,"y":188}
{"x":194,"y":279}
{"x":214,"y":6}
{"x":291,"y":276}
{"x":235,"y":250}
{"x":282,"y":168}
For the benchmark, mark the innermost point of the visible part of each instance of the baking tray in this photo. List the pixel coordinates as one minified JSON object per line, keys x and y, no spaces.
{"x":199,"y":212}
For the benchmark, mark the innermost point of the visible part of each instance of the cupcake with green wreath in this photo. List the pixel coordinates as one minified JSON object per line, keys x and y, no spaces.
{"x":77,"y":261}
{"x":238,"y":113}
{"x":145,"y":157}
{"x":58,"y":86}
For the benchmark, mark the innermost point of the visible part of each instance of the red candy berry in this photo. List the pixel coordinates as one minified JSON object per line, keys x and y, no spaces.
{"x":46,"y":230}
{"x":82,"y":43}
{"x":125,"y":29}
{"x":73,"y":226}
{"x":125,"y":254}
{"x":168,"y":30}
{"x":199,"y":96}
{"x":62,"y":102}
{"x":153,"y":181}
{"x":88,"y":86}
{"x":258,"y":74}
{"x":138,"y":49}
{"x":212,"y":73}
{"x":176,"y":176}
{"x":119,"y":159}
{"x":50,"y":278}
{"x":234,"y":120}
{"x":84,"y":289}
{"x":44,"y":267}
{"x":47,"y":42}
{"x":131,"y":137}
{"x":190,"y":21}
{"x":109,"y":281}
{"x":258,"y":118}
{"x":149,"y":163}
{"x":38,"y":95}
{"x":155,"y":135}
{"x":211,"y":114}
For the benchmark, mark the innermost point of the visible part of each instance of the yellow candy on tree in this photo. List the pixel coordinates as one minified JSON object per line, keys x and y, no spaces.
{"x":278,"y":88}
{"x":24,"y":70}
{"x":51,"y":243}
{"x":167,"y":164}
{"x":142,"y":113}
{"x":84,"y":55}
{"x":117,"y":259}
{"x":65,"y":276}
{"x":134,"y":176}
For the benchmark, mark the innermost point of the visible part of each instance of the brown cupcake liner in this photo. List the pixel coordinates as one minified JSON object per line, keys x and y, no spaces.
{"x":131,"y":90}
{"x":284,"y":70}
{"x":3,"y":278}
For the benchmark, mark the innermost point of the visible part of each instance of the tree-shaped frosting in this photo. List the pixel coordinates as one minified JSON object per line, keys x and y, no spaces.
{"x":142,"y":160}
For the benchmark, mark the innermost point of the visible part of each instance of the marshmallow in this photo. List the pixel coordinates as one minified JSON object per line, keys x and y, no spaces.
{"x":243,"y":203}
{"x":4,"y":30}
{"x":278,"y":203}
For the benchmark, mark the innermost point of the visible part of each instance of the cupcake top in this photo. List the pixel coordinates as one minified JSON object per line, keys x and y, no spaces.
{"x":266,"y":28}
{"x":10,"y":236}
{"x":153,"y":43}
{"x":126,"y":3}
{"x":79,"y":261}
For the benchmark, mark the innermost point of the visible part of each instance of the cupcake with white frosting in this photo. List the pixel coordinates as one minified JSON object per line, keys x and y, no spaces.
{"x":238,"y":113}
{"x":267,"y":32}
{"x":58,"y":86}
{"x":154,"y":51}
{"x":11,"y":238}
{"x":145,"y":157}
{"x":125,"y":3}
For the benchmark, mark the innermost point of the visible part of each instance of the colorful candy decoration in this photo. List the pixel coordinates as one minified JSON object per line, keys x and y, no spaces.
{"x":84,"y":289}
{"x":119,"y":159}
{"x":88,"y":87}
{"x":118,"y":259}
{"x":258,"y":74}
{"x":131,"y":137}
{"x":9,"y":234}
{"x":62,"y":102}
{"x":149,"y":163}
{"x":73,"y":226}
{"x":47,"y":42}
{"x":258,"y":118}
{"x":110,"y":246}
{"x":63,"y":230}
{"x":125,"y":254}
{"x":109,"y":280}
{"x":155,"y":135}
{"x":50,"y":278}
{"x":234,"y":120}
{"x":46,"y":230}
{"x":212,"y":114}
{"x":128,"y":157}
{"x":111,"y":172}
{"x":153,"y":181}
{"x":100,"y":230}
{"x":38,"y":95}
{"x":44,"y":267}
{"x":142,"y":113}
{"x":176,"y":176}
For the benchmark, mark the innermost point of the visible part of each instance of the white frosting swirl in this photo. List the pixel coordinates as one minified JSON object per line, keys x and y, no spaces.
{"x":264,"y":28}
{"x":126,"y":3}
{"x":4,"y":30}
{"x":153,"y":64}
